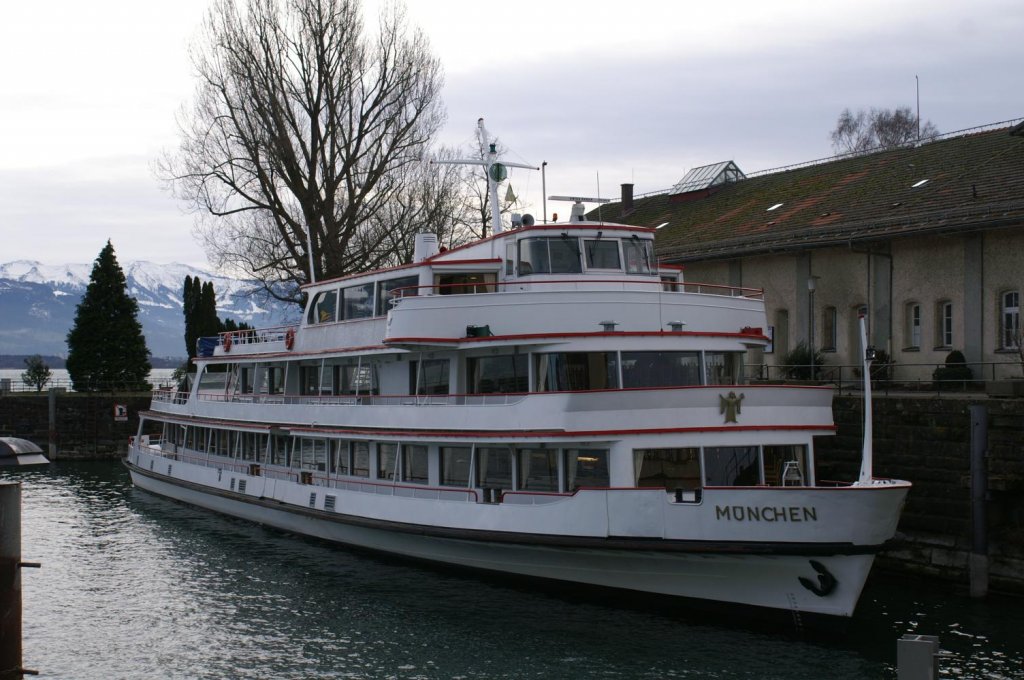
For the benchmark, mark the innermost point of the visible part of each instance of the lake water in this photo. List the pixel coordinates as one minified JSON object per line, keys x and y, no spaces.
{"x":135,"y":586}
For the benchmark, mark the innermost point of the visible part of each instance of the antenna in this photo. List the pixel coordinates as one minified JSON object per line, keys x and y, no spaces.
{"x":496,"y":172}
{"x":578,"y":209}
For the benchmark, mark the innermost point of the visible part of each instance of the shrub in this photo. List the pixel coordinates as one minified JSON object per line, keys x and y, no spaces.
{"x":798,"y":363}
{"x":956,"y":372}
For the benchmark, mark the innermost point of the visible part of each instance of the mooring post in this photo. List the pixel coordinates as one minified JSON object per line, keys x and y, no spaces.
{"x":10,"y":581}
{"x":53,"y":422}
{"x":979,"y":496}
{"x":917,"y":657}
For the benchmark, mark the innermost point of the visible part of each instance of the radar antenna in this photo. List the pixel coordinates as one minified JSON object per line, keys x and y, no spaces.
{"x":578,"y":209}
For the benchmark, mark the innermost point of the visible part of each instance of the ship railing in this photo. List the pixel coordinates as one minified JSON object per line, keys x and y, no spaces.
{"x":252,"y":336}
{"x":169,"y":395}
{"x":499,"y":399}
{"x":523,"y":284}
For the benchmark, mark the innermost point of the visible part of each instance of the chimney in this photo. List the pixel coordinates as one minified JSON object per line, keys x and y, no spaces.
{"x":627,"y":199}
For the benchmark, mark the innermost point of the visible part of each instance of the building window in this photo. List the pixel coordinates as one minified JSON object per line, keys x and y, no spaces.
{"x":828,"y":329}
{"x":912,"y":332}
{"x":944,"y":324}
{"x":1009,"y":324}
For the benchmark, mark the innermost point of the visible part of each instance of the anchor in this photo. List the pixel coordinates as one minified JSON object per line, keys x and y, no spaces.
{"x":826,"y":581}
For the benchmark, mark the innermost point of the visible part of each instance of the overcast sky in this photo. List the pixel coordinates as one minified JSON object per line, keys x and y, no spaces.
{"x":605,"y":92}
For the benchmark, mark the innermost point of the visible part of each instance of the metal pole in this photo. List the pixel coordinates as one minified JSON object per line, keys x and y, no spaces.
{"x":53,"y":422}
{"x":810,"y":326}
{"x":10,"y":581}
{"x":544,"y":189}
{"x":979,"y":494}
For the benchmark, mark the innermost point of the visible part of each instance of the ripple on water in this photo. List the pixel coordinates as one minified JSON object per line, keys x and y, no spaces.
{"x":134,"y":586}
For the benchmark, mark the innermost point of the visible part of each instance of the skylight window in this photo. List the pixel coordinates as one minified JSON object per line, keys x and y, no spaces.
{"x":774,"y":207}
{"x":917,"y":184}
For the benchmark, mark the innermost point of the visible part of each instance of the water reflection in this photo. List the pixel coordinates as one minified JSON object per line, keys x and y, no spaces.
{"x":136,"y":586}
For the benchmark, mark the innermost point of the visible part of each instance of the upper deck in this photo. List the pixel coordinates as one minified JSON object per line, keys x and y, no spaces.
{"x":531,"y":284}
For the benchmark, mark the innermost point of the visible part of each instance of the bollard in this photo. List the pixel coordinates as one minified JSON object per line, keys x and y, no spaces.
{"x":978,"y":570}
{"x":917,"y":657}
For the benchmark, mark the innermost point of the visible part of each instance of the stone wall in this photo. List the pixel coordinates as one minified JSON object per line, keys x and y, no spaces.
{"x":926,"y":440}
{"x":85,"y":427}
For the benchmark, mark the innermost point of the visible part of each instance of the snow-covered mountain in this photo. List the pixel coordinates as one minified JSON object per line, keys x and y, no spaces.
{"x":38,"y":301}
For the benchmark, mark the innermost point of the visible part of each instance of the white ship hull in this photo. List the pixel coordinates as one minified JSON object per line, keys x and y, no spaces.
{"x":747,"y":570}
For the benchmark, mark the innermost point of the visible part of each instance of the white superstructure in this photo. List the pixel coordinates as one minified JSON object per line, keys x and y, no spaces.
{"x":546,"y":402}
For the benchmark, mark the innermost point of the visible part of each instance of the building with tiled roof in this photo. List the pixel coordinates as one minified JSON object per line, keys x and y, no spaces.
{"x":927,"y":240}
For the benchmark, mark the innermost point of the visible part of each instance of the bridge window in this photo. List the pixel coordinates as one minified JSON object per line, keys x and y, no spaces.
{"x":668,"y":468}
{"x":324,"y":308}
{"x":602,"y":254}
{"x":639,"y":256}
{"x":498,"y":374}
{"x":357,"y":302}
{"x":660,"y":369}
{"x":386,"y":292}
{"x":549,"y":256}
{"x":465,"y":284}
{"x":573,"y":371}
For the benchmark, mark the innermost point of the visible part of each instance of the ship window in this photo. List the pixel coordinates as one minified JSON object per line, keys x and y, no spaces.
{"x":414,"y":464}
{"x":342,"y":458}
{"x":465,"y":284}
{"x":731,"y":466}
{"x":245,"y":379}
{"x":723,"y":368}
{"x":279,"y":449}
{"x":324,"y":308}
{"x":494,"y":467}
{"x":538,"y":470}
{"x":387,"y":457}
{"x":639,"y":257}
{"x":386,"y":292}
{"x":358,"y":379}
{"x":455,"y":465}
{"x":602,"y":254}
{"x":313,"y":454}
{"x":560,"y":255}
{"x":785,"y":465}
{"x":357,"y":301}
{"x":660,"y":369}
{"x":668,"y":468}
{"x":586,"y":467}
{"x":431,"y":379}
{"x":497,"y":374}
{"x":361,"y":459}
{"x":572,"y":371}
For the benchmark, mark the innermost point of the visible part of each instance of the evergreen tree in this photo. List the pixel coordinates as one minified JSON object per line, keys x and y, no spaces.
{"x":208,"y":324}
{"x":189,"y":303}
{"x":106,"y":348}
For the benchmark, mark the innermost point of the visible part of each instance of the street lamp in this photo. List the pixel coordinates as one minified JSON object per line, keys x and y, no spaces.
{"x":812,"y":283}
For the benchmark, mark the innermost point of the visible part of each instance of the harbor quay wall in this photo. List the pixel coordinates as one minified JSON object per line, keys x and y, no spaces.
{"x":86,"y":426}
{"x":922,"y":439}
{"x":926,"y":440}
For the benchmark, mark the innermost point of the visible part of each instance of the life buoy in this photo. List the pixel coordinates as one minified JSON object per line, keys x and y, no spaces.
{"x":227,"y":341}
{"x":289,"y":338}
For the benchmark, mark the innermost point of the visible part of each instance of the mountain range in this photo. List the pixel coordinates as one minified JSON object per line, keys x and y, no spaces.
{"x":38,"y":302}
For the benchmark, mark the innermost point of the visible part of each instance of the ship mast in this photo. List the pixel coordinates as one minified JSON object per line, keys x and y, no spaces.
{"x":496,"y":172}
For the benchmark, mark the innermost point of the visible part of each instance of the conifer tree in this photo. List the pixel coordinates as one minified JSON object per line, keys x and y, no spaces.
{"x":106,"y":347}
{"x":189,"y":303}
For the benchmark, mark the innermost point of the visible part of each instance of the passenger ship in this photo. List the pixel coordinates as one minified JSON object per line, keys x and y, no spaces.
{"x":546,"y":402}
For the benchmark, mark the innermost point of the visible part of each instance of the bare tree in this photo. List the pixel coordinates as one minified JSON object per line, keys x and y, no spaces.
{"x":878,"y":129}
{"x":304,"y":124}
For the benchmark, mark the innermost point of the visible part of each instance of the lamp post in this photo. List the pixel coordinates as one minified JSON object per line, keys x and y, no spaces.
{"x":812,"y":283}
